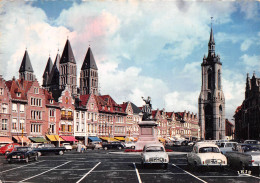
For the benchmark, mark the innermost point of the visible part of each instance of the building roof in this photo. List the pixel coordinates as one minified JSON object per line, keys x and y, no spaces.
{"x":48,"y":67}
{"x":211,"y":39}
{"x":67,"y":54}
{"x":136,"y":110}
{"x":84,"y":99}
{"x":26,"y":63}
{"x":54,"y":74}
{"x":89,"y":61}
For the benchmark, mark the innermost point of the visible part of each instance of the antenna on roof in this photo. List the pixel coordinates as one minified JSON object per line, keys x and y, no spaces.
{"x":211,"y":21}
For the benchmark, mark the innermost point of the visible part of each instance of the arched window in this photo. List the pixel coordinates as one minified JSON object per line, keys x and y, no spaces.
{"x":219,"y":80}
{"x":209,"y":78}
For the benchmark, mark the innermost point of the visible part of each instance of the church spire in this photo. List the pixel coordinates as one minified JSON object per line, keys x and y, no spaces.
{"x":47,"y":72}
{"x":26,"y":70}
{"x":89,"y":61}
{"x":211,"y":45}
{"x":67,"y":54}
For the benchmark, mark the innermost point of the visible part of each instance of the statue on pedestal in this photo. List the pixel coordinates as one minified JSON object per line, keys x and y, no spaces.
{"x":147,"y":109}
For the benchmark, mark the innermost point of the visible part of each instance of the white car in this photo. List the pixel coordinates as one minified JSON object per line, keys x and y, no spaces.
{"x":227,"y":147}
{"x":206,"y":154}
{"x":67,"y":146}
{"x":129,"y":144}
{"x":154,"y":154}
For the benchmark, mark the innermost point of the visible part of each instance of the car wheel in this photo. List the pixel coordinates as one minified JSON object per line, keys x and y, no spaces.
{"x":7,"y":152}
{"x":61,"y":152}
{"x":36,"y":158}
{"x":119,"y":147}
{"x":105,"y":148}
{"x":26,"y":159}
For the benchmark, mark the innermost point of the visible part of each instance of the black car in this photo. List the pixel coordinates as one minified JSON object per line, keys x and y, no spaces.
{"x":22,"y":154}
{"x":113,"y":145}
{"x":49,"y":148}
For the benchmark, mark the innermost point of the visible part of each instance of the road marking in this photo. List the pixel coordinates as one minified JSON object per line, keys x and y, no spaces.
{"x":189,"y":173}
{"x":104,"y":171}
{"x":88,"y":173}
{"x":253,"y":176}
{"x":137,"y":173}
{"x":45,"y":172}
{"x":21,"y":166}
{"x":163,"y":173}
{"x":221,"y":176}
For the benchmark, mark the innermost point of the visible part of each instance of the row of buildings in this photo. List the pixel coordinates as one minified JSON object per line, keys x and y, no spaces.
{"x":60,"y":108}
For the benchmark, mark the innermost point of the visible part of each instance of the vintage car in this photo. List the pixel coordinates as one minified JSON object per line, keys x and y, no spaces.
{"x":227,"y":146}
{"x":8,"y":148}
{"x":244,"y":156}
{"x":205,"y":154}
{"x":22,"y":154}
{"x":130,"y":144}
{"x":113,"y":145}
{"x":251,"y":142}
{"x":49,"y":148}
{"x":67,"y":146}
{"x":154,"y":154}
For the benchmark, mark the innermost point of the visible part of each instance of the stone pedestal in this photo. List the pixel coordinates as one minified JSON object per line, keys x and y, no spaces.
{"x":147,"y":134}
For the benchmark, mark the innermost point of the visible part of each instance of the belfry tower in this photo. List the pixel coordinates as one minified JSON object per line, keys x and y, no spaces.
{"x":68,"y":69}
{"x":26,"y":70}
{"x":211,"y":100}
{"x":89,"y":75}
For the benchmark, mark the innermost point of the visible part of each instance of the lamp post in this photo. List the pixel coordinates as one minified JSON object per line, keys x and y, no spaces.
{"x":22,"y":136}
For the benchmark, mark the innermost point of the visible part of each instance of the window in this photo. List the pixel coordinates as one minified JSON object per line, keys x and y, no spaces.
{"x":82,"y":115}
{"x":69,"y":128}
{"x":14,"y":107}
{"x":63,"y":112}
{"x":14,"y":123}
{"x":69,"y":113}
{"x":4,"y":124}
{"x":92,"y":106}
{"x":21,"y":107}
{"x":63,"y":127}
{"x":35,"y":128}
{"x":52,"y":112}
{"x":77,"y":114}
{"x":21,"y":124}
{"x":82,"y":127}
{"x":1,"y":91}
{"x":36,"y":90}
{"x":4,"y":108}
{"x":77,"y":126}
{"x":51,"y":101}
{"x":36,"y":114}
{"x":18,"y":94}
{"x":52,"y":128}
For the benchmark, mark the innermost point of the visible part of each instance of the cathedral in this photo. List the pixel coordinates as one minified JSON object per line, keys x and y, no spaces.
{"x":211,"y":100}
{"x":64,"y":73}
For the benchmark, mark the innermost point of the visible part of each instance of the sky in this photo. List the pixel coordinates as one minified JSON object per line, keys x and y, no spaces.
{"x":142,"y":48}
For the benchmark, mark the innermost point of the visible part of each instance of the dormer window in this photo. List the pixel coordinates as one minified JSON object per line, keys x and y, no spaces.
{"x":51,"y":101}
{"x":18,"y":94}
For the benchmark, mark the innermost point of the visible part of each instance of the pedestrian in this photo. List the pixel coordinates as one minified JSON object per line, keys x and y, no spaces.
{"x":78,"y":147}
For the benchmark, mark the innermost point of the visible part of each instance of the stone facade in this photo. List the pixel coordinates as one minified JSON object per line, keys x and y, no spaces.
{"x":211,"y":100}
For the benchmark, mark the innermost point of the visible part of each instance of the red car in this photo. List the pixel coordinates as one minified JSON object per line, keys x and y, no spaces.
{"x":8,"y":148}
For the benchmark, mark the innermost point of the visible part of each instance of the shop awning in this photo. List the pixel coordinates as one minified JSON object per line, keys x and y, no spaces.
{"x":69,"y":138}
{"x":161,"y":139}
{"x":94,"y":139}
{"x":5,"y":140}
{"x":38,"y":139}
{"x":21,"y":139}
{"x":109,"y":139}
{"x":54,"y":138}
{"x":120,"y":138}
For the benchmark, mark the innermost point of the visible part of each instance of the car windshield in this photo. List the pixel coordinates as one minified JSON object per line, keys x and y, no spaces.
{"x":23,"y":149}
{"x":154,"y":149}
{"x":209,"y":150}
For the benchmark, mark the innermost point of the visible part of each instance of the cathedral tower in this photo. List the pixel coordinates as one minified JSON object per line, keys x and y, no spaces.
{"x":46,"y":73}
{"x":211,"y":100}
{"x":26,"y":70}
{"x":68,"y":69}
{"x":89,"y":75}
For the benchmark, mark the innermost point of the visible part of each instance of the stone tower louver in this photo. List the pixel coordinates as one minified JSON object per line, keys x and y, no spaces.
{"x":211,"y":100}
{"x":68,"y":69}
{"x":26,"y":70}
{"x":89,"y":75}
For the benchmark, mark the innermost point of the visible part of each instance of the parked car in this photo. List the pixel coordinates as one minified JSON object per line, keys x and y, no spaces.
{"x":251,"y":142}
{"x":244,"y":156}
{"x":98,"y":145}
{"x":206,"y":155}
{"x":227,"y":146}
{"x":176,"y":143}
{"x":8,"y":148}
{"x":129,"y":145}
{"x":49,"y":148}
{"x":185,"y":142}
{"x":113,"y":145}
{"x":67,"y":146}
{"x":34,"y":145}
{"x":191,"y":143}
{"x":22,"y":154}
{"x":154,"y":154}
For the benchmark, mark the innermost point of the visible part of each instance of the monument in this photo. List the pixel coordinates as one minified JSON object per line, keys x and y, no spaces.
{"x":147,"y":127}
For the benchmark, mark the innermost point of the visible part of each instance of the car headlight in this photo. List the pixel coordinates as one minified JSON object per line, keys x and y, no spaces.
{"x":219,"y":161}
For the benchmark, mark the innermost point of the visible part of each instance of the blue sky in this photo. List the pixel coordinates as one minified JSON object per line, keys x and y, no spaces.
{"x":141,"y":48}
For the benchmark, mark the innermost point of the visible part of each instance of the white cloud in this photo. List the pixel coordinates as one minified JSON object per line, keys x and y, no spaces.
{"x":251,"y":62}
{"x":246,"y":44}
{"x":249,"y":8}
